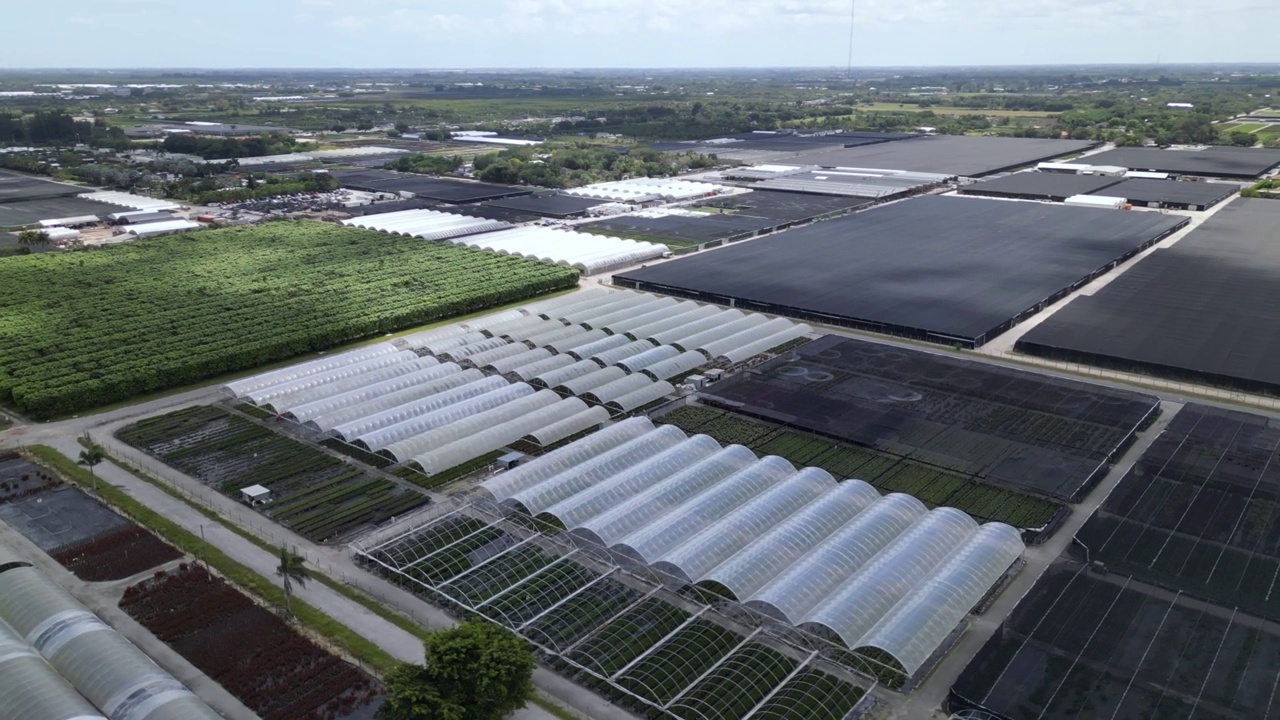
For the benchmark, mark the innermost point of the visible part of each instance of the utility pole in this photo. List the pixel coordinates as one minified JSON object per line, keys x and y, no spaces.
{"x":848,"y":70}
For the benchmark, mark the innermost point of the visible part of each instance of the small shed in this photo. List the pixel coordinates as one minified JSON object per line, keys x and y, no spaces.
{"x":255,"y":495}
{"x":1097,"y":201}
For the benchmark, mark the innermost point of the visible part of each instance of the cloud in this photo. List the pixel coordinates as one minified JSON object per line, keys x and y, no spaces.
{"x":80,"y":20}
{"x":348,"y":22}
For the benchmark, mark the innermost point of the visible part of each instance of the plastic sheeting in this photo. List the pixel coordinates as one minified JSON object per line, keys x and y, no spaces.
{"x":32,"y":690}
{"x":449,"y":342}
{"x":627,"y":316}
{"x":283,"y":388}
{"x":674,"y":335}
{"x":543,"y":306}
{"x":506,"y":350}
{"x":639,"y":398}
{"x":316,"y":408}
{"x":491,"y":438}
{"x":617,"y":388}
{"x":570,"y":426}
{"x":604,"y":344}
{"x":569,"y":343}
{"x":733,"y":531}
{"x":772,"y":552}
{"x":538,"y":498}
{"x":453,"y":412}
{"x":418,"y":407}
{"x":876,"y":587}
{"x":925,"y":617}
{"x":589,"y":253}
{"x":776,"y":326}
{"x":107,"y":669}
{"x":564,"y":373}
{"x":541,"y":367}
{"x":622,"y":352}
{"x":598,"y":378}
{"x":720,"y":332}
{"x":471,"y":424}
{"x":662,"y":310}
{"x":240,"y":388}
{"x":417,"y":340}
{"x":450,"y":376}
{"x":643,"y":360}
{"x":425,"y":224}
{"x":526,"y":356}
{"x":822,"y":570}
{"x":506,"y":485}
{"x":752,"y":349}
{"x":513,"y":329}
{"x":606,"y":494}
{"x":338,"y":387}
{"x":696,"y":514}
{"x":681,"y":314}
{"x":618,"y":301}
{"x":463,"y":352}
{"x":544,"y":339}
{"x":678,"y":365}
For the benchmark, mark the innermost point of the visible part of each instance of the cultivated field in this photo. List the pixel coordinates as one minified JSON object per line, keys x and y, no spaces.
{"x":315,"y":494}
{"x":79,"y":330}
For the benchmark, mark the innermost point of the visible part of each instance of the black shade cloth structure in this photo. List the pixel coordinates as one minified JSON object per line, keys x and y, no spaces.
{"x":943,"y":269}
{"x":444,"y":190}
{"x":1232,"y":162}
{"x":1166,"y":604}
{"x":787,"y":207}
{"x":1170,"y":193}
{"x":549,"y":205}
{"x":781,"y":142}
{"x":964,"y":155}
{"x":1042,"y":186}
{"x":28,"y":212}
{"x":1013,"y":428}
{"x":702,"y":228}
{"x":1205,"y":310}
{"x":14,"y":186}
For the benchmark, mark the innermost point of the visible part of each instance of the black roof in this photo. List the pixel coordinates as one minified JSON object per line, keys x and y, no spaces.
{"x":1042,"y":185}
{"x":26,"y":212}
{"x":15,"y":186}
{"x":950,"y":266}
{"x":1234,"y":162}
{"x":1146,"y":190}
{"x":548,"y":205}
{"x":969,"y":156}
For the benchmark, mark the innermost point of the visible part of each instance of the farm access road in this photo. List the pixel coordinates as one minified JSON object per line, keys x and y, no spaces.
{"x":334,"y":562}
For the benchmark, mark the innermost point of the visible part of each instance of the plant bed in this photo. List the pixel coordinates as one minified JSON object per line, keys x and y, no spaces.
{"x":248,"y":650}
{"x":115,"y":555}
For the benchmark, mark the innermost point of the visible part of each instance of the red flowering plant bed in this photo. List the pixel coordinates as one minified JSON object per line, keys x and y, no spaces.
{"x":116,"y":554}
{"x":247,"y":649}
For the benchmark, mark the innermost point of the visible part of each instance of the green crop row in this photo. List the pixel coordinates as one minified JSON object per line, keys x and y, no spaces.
{"x":78,"y":330}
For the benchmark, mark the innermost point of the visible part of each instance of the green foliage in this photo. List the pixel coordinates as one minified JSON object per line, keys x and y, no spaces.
{"x":33,"y":238}
{"x":292,"y":569}
{"x":213,"y":148}
{"x":271,"y":186}
{"x":86,"y":329}
{"x":1243,"y":139}
{"x":426,"y":164}
{"x":580,"y":164}
{"x":476,"y":671}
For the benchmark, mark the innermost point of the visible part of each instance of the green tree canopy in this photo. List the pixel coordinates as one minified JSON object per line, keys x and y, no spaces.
{"x":476,"y":671}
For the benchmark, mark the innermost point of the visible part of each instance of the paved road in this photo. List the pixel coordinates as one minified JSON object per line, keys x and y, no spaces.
{"x":333,"y":561}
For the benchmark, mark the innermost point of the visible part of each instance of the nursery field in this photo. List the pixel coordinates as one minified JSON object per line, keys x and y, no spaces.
{"x":637,"y":649}
{"x":80,"y":330}
{"x":935,"y":486}
{"x":1166,"y":603}
{"x":115,"y":555}
{"x":248,"y":650}
{"x":314,"y":493}
{"x":1015,"y":429}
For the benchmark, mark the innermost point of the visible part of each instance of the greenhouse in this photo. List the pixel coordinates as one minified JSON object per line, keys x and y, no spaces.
{"x":501,"y":433}
{"x":538,"y":368}
{"x":103,"y":666}
{"x":280,"y":389}
{"x":461,"y":425}
{"x":617,"y":388}
{"x":617,"y":355}
{"x":404,"y":383}
{"x":834,"y":563}
{"x":502,"y":352}
{"x":721,"y":332}
{"x":452,"y":412}
{"x":678,"y":365}
{"x":417,"y":407}
{"x":626,"y":317}
{"x":780,"y":328}
{"x":462,"y":352}
{"x":638,"y":399}
{"x":240,"y":388}
{"x":690,"y":329}
{"x":425,"y":224}
{"x":575,"y":341}
{"x":450,"y":376}
{"x":590,"y":418}
{"x":677,"y":316}
{"x":593,"y":348}
{"x":344,"y":381}
{"x":590,"y":254}
{"x":526,"y":357}
{"x":642,"y":360}
{"x":31,"y":689}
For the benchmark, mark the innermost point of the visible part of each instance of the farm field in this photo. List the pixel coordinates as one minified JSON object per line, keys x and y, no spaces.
{"x":1011,"y":428}
{"x":1174,"y":576}
{"x":314,"y":493}
{"x":934,"y":486}
{"x":142,"y":317}
{"x":248,"y":650}
{"x":608,"y":634}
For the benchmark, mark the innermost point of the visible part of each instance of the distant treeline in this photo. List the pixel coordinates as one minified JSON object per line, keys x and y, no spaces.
{"x":213,"y":148}
{"x":56,"y":128}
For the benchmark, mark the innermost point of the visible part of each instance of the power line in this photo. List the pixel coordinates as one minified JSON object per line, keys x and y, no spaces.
{"x":848,"y":71}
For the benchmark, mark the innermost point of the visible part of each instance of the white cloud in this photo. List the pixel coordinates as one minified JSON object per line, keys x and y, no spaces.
{"x":347,"y":22}
{"x":80,"y":20}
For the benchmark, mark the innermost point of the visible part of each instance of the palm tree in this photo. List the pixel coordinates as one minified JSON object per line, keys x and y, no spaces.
{"x":33,"y":238}
{"x":292,"y":569}
{"x":90,"y":456}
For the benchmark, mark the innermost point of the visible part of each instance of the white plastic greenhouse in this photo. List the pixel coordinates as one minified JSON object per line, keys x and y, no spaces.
{"x":285,"y":387}
{"x":688,"y":330}
{"x":239,"y":388}
{"x":720,"y":332}
{"x":590,"y":254}
{"x":566,"y":344}
{"x":450,"y":413}
{"x":637,"y":399}
{"x":104,"y":667}
{"x":472,"y":423}
{"x":681,"y":315}
{"x":678,"y":365}
{"x":618,"y":354}
{"x":618,"y":387}
{"x":777,"y":327}
{"x":563,"y":332}
{"x":526,"y":356}
{"x":537,"y":368}
{"x":426,"y":224}
{"x":501,"y":352}
{"x":594,"y":417}
{"x":354,"y":382}
{"x":565,"y":373}
{"x":316,"y":408}
{"x":740,"y":353}
{"x":451,"y":376}
{"x":626,"y":316}
{"x":639,"y":361}
{"x":417,"y":408}
{"x":489,"y":438}
{"x":592,"y":380}
{"x":31,"y":689}
{"x":590,"y":349}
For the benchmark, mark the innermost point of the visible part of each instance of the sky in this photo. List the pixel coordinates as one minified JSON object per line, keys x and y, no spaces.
{"x":631,"y":33}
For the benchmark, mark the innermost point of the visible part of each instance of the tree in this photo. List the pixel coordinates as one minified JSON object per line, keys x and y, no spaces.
{"x":292,"y":568}
{"x":89,"y":457}
{"x":1243,"y":139}
{"x":33,"y":238}
{"x":476,"y":671}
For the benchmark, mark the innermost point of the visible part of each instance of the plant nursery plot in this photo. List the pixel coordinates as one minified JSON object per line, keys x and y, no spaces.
{"x":1011,"y":428}
{"x":312,"y":492}
{"x":952,"y":270}
{"x":1200,"y":311}
{"x":247,"y":649}
{"x":115,"y":555}
{"x":141,"y":317}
